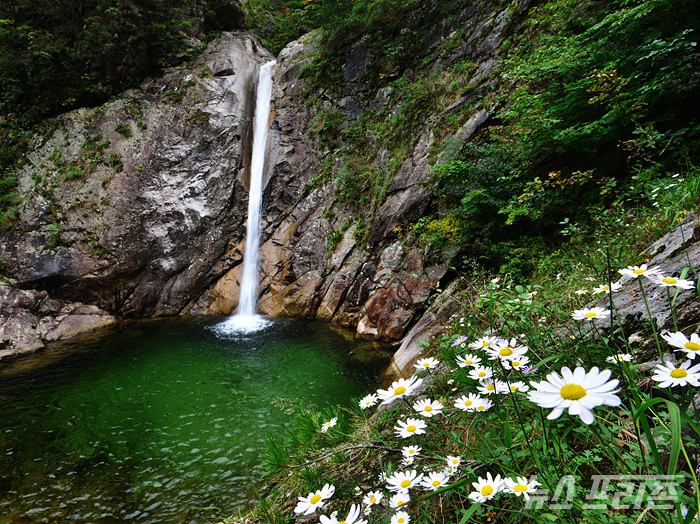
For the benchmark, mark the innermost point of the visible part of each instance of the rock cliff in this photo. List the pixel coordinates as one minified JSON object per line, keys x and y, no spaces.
{"x":130,"y":205}
{"x":138,"y":207}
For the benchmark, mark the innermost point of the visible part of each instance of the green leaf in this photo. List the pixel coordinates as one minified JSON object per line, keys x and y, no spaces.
{"x":468,"y":513}
{"x":675,"y":413}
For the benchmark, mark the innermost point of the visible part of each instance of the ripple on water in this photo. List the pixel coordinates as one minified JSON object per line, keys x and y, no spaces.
{"x":165,"y":417}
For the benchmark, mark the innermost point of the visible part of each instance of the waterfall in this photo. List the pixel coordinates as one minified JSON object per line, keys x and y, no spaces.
{"x":246,"y":320}
{"x":248,"y":301}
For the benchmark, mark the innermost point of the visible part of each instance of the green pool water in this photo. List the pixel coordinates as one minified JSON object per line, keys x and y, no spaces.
{"x":154,"y":421}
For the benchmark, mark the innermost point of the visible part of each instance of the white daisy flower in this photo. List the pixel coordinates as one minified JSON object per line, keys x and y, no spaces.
{"x":518,"y":386}
{"x":577,"y":391}
{"x":426,"y":363}
{"x":672,"y":375}
{"x":402,"y":481}
{"x":504,"y":348}
{"x":660,"y":280}
{"x":691,"y":345}
{"x":486,"y":488}
{"x":581,"y":291}
{"x":483,"y":342}
{"x":350,"y":519}
{"x":467,"y":403}
{"x":410,"y":451}
{"x":400,"y":517}
{"x":435,"y":480}
{"x":489,"y":387}
{"x":399,"y":388}
{"x":367,"y":510}
{"x":467,"y":360}
{"x":620,"y":357}
{"x":373,"y":497}
{"x":637,"y":271}
{"x":482,"y":405}
{"x":411,"y":426}
{"x":407,"y":461}
{"x":518,"y":362}
{"x":326,"y":425}
{"x":316,"y":499}
{"x":520,"y":486}
{"x":428,"y":407}
{"x":400,"y":499}
{"x":453,"y":462}
{"x":593,"y":313}
{"x":369,"y":401}
{"x":480,"y":373}
{"x":606,"y":289}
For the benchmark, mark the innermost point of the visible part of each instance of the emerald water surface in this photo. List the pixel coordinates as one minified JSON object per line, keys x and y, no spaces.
{"x":153,"y":421}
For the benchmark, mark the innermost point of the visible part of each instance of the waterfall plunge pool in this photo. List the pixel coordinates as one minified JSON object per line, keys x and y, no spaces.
{"x":150,"y":422}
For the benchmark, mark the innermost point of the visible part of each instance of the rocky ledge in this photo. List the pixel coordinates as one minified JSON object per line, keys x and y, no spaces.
{"x":29,"y":320}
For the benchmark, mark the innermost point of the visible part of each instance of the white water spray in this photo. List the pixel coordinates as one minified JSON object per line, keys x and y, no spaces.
{"x":246,"y":319}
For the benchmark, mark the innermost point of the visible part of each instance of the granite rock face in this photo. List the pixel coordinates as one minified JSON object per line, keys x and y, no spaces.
{"x":131,"y":205}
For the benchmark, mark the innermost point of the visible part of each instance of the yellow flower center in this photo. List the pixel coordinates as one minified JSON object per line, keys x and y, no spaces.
{"x":468,"y":361}
{"x":400,"y":503}
{"x":373,"y":499}
{"x":669,"y":280}
{"x":315,"y":499}
{"x":505,"y":352}
{"x":639,"y":271}
{"x":591,"y":314}
{"x":455,"y":462}
{"x":486,"y":491}
{"x":605,"y":288}
{"x":342,"y":522}
{"x":514,"y":388}
{"x":400,"y":390}
{"x":436,"y":482}
{"x":480,"y":408}
{"x":679,"y":373}
{"x":692,"y":346}
{"x":401,"y":520}
{"x":484,"y":344}
{"x":520,"y":487}
{"x":411,"y":451}
{"x":468,"y":402}
{"x":405,"y":483}
{"x":490,"y":387}
{"x":411,"y":429}
{"x":428,"y":408}
{"x":482,"y":374}
{"x":572,"y":392}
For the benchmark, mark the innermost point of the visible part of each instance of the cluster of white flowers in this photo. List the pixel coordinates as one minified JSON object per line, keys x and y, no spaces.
{"x":497,"y":366}
{"x":653,"y":274}
{"x":487,"y":488}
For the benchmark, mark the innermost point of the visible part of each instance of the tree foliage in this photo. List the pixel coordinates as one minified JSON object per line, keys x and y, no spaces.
{"x":59,"y":54}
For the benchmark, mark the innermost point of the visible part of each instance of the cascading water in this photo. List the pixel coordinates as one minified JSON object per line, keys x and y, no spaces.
{"x":246,"y":318}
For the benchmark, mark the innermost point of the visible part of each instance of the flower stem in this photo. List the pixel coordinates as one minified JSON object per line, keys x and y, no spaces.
{"x":651,"y":319}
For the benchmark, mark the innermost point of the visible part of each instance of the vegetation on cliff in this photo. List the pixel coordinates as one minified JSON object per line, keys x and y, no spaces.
{"x":588,"y":110}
